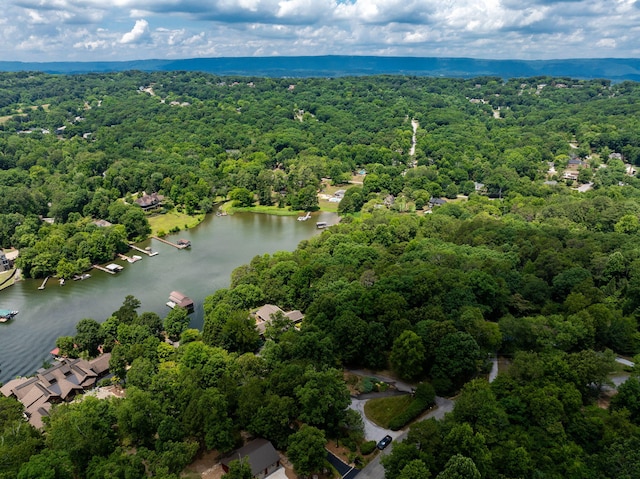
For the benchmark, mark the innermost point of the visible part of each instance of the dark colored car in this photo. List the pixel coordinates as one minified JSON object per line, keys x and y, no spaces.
{"x":384,"y":442}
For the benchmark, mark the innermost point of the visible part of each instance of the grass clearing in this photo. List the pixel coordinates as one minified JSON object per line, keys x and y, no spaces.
{"x":173,"y":219}
{"x":382,"y":410}
{"x":4,"y":275}
{"x":261,"y":209}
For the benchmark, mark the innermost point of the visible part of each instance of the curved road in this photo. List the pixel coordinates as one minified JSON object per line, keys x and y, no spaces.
{"x":374,"y":469}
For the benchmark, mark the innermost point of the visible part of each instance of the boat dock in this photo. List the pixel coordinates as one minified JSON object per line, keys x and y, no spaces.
{"x":129,"y":259}
{"x":148,"y":253}
{"x":44,"y":283}
{"x":110,"y":268}
{"x":181,"y":244}
{"x":305,"y":217}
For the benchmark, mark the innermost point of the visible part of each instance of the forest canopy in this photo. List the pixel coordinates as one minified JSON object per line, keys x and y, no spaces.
{"x":510,"y":227}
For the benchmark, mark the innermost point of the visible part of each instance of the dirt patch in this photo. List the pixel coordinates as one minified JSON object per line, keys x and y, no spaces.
{"x":206,"y":467}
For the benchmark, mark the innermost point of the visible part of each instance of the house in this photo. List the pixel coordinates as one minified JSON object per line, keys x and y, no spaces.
{"x":265,"y":314}
{"x":436,"y":202}
{"x":261,"y":455}
{"x":5,"y":264}
{"x":575,"y":163}
{"x":149,"y":202}
{"x":102,"y":223}
{"x":56,"y":384}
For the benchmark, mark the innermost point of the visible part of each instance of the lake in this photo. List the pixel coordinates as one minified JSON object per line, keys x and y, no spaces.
{"x":219,"y":245}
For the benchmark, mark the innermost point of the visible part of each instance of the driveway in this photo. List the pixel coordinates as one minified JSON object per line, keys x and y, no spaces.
{"x":345,"y":471}
{"x":372,"y":432}
{"x":374,"y":469}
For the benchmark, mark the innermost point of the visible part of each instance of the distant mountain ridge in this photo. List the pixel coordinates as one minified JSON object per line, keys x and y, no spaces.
{"x":616,"y":69}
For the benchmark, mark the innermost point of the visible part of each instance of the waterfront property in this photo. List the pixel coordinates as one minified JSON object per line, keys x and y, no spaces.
{"x":56,"y":384}
{"x":150,"y":202}
{"x":265,"y":314}
{"x":179,"y":300}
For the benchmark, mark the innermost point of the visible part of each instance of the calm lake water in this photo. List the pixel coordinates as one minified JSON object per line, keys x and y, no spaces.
{"x":219,"y":245}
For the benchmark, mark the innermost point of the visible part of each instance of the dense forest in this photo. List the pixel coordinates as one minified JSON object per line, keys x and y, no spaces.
{"x":531,"y":253}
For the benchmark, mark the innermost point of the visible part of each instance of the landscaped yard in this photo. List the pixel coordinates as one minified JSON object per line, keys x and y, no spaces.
{"x":382,"y":410}
{"x":267,"y":210}
{"x":168,"y":221}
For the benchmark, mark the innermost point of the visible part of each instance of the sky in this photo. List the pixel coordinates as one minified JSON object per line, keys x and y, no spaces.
{"x":108,"y":30}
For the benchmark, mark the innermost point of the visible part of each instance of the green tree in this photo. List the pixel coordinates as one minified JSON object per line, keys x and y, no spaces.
{"x":239,"y":469}
{"x":241,"y":197}
{"x":47,"y":465}
{"x":82,"y":430}
{"x":456,"y":361}
{"x":408,"y":355}
{"x":459,"y":467}
{"x":306,"y":450}
{"x":415,"y":469}
{"x":323,"y":398}
{"x":89,"y":336}
{"x":176,"y":322}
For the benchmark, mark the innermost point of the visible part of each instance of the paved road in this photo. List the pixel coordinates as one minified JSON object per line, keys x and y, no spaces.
{"x":374,"y":469}
{"x":372,"y":432}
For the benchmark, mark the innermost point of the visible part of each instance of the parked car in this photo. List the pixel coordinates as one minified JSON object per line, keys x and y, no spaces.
{"x":384,"y":442}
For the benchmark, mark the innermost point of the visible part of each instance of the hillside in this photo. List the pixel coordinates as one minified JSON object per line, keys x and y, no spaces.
{"x":616,"y":69}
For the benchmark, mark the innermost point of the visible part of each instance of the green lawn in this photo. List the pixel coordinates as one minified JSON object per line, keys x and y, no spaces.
{"x":3,"y":276}
{"x":261,"y":209}
{"x":382,"y":410}
{"x":166,"y":222}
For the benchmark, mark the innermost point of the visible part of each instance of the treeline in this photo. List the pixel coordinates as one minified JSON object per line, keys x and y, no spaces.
{"x":539,"y":419}
{"x":87,"y":144}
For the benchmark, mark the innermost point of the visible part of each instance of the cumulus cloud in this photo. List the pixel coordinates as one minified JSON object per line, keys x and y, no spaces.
{"x":139,"y":33}
{"x":68,"y":29}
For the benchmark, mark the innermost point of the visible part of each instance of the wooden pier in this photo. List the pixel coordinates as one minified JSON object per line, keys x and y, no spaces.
{"x":96,"y":266}
{"x":148,"y":253}
{"x":44,"y":283}
{"x":181,"y":244}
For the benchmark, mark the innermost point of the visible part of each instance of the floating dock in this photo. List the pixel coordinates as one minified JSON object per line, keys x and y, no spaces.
{"x":148,"y":253}
{"x":181,"y":243}
{"x":44,"y":283}
{"x":305,"y":217}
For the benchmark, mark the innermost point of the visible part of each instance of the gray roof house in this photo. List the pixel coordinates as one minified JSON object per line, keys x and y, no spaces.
{"x":262,"y":456}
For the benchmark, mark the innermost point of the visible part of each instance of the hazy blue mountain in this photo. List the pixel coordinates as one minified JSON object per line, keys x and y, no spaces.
{"x":616,"y":69}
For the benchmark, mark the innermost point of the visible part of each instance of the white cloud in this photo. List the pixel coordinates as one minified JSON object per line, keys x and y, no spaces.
{"x":139,"y":32}
{"x":529,"y":29}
